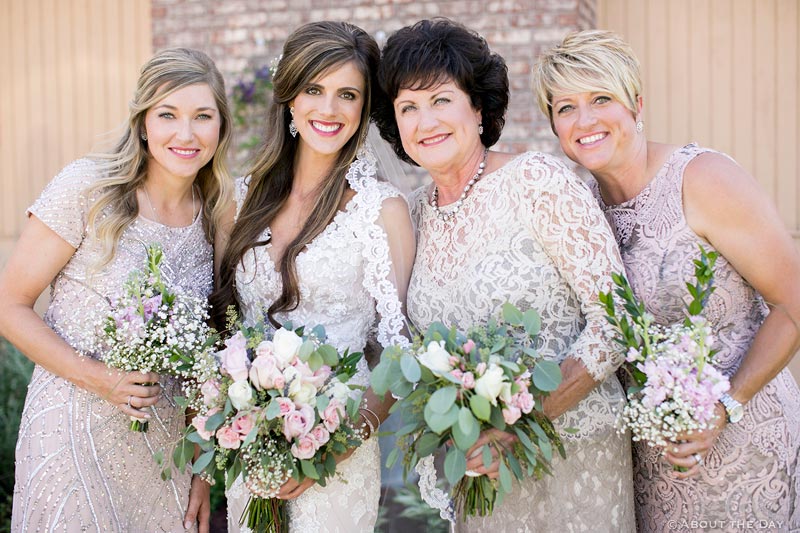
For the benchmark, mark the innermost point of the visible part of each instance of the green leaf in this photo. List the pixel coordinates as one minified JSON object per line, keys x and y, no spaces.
{"x":505,"y":477}
{"x":486,"y":455}
{"x":158,"y":457}
{"x":427,"y":444}
{"x":410,"y":368}
{"x":443,"y":399}
{"x":455,"y":465}
{"x":306,"y":349}
{"x":466,"y":431}
{"x":514,"y":464}
{"x":329,"y":354}
{"x":532,"y":322}
{"x":546,"y":376}
{"x":440,"y":422}
{"x":309,"y":470}
{"x":272,"y":411}
{"x":511,"y":314}
{"x":379,"y":377}
{"x":480,"y":407}
{"x":215,"y":421}
{"x":202,"y":462}
{"x":547,"y":449}
{"x":392,"y":458}
{"x":496,"y":419}
{"x":315,"y":361}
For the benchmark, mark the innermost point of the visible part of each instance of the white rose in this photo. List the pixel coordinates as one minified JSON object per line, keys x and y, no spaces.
{"x":292,"y":377}
{"x":490,"y":384}
{"x":285,"y":345}
{"x":241,"y":394}
{"x":305,"y":393}
{"x":436,"y":358}
{"x":339,"y":391}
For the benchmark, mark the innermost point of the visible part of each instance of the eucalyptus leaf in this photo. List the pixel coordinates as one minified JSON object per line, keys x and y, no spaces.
{"x":546,"y":376}
{"x":202,"y":462}
{"x":511,"y":314}
{"x":455,"y":465}
{"x":505,"y":477}
{"x":440,"y":422}
{"x":410,"y":368}
{"x":466,"y":431}
{"x":427,"y":444}
{"x":486,"y":455}
{"x":443,"y":399}
{"x":273,"y":410}
{"x":480,"y":407}
{"x":379,"y":377}
{"x":532,"y":322}
{"x":309,"y":470}
{"x":329,"y":354}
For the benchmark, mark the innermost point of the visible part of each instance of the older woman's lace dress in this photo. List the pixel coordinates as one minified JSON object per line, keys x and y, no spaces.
{"x":345,"y":278}
{"x":78,"y":466}
{"x":752,"y":473}
{"x":530,"y":233}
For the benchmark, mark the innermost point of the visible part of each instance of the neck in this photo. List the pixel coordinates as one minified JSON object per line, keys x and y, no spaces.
{"x":167,"y":194}
{"x":620,"y":184}
{"x":451,"y":182}
{"x":309,"y":172}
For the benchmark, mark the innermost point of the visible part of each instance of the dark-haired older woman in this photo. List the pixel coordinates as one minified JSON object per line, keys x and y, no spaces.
{"x":495,"y":227}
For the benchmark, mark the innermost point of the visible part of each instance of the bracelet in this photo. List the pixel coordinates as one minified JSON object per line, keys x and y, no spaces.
{"x":372,"y":427}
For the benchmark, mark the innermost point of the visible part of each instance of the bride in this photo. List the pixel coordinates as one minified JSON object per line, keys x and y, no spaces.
{"x":316,"y":239}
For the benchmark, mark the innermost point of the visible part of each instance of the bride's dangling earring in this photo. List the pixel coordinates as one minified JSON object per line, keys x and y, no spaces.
{"x":292,"y":125}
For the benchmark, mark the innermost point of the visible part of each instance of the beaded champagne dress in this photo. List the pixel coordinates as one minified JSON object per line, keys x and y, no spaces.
{"x":752,"y":474}
{"x":345,"y":277}
{"x":78,"y":465}
{"x":530,"y":233}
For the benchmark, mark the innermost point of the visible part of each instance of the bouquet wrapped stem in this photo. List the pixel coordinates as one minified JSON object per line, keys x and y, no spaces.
{"x":265,"y":515}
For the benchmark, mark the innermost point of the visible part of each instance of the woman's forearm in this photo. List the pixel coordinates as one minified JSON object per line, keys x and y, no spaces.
{"x":576,"y":384}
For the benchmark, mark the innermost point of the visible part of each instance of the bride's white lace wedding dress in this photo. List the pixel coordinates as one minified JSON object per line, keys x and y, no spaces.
{"x":346,"y":284}
{"x":531,"y":233}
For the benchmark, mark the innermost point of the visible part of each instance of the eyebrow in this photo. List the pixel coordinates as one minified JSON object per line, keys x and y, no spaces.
{"x":434,"y":95}
{"x":168,"y":106}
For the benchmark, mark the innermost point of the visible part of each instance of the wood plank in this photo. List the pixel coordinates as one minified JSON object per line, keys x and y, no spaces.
{"x":765,"y":106}
{"x":8,"y":133}
{"x":700,"y":89}
{"x":724,"y":115}
{"x":743,"y":83}
{"x":676,"y":98}
{"x":786,"y":140}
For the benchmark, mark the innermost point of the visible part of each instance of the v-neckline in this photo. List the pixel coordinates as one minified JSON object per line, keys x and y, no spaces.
{"x":348,"y":209}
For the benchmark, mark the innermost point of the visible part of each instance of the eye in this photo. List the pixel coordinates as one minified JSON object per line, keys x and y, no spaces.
{"x":166,"y":114}
{"x":313,"y":91}
{"x":564,"y":109}
{"x":204,"y":116}
{"x":348,"y":95}
{"x":441,"y":100}
{"x":407,"y":108}
{"x":602,"y":99}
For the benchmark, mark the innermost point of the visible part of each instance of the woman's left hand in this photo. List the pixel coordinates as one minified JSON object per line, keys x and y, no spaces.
{"x":199,"y":509}
{"x":293,"y":488}
{"x":690,"y":449}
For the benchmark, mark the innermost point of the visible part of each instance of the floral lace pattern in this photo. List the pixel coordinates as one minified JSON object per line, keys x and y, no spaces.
{"x":530,"y":233}
{"x":78,"y":466}
{"x":345,"y":286}
{"x":753,"y":471}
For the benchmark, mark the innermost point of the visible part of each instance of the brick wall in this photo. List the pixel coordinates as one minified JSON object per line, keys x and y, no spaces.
{"x":248,"y":33}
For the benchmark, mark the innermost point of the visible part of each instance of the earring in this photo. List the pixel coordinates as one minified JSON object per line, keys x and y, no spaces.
{"x":292,"y":125}
{"x":480,"y":129}
{"x":639,"y":126}
{"x":144,"y":137}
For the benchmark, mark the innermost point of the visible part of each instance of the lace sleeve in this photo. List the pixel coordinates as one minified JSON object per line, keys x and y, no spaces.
{"x":240,"y":193}
{"x":570,"y":225}
{"x":63,"y":206}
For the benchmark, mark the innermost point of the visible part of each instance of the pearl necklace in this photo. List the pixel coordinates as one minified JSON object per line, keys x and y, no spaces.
{"x":155,"y":213}
{"x":435,"y":196}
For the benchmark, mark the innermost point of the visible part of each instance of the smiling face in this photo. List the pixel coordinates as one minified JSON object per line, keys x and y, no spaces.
{"x":438,"y":126}
{"x":182,"y":133}
{"x":595,"y":130}
{"x":327,"y":111}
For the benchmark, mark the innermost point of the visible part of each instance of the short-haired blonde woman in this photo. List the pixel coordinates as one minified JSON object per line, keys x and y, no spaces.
{"x":78,"y":466}
{"x":318,"y":240}
{"x":662,"y":201}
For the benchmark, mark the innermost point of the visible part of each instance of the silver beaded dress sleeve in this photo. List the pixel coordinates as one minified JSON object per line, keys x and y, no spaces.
{"x":530,"y":233}
{"x":78,"y":466}
{"x":752,"y":474}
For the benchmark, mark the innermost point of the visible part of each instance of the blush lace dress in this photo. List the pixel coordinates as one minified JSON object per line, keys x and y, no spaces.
{"x":78,"y":466}
{"x":345,"y":278}
{"x":531,"y":233}
{"x":753,"y":471}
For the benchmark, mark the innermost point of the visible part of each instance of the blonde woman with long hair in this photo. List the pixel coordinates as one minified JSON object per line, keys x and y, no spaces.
{"x":78,"y":466}
{"x":319,"y":240}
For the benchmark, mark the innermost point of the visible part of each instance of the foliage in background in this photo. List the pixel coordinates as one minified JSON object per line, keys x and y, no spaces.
{"x":16,"y":371}
{"x":249,"y":100}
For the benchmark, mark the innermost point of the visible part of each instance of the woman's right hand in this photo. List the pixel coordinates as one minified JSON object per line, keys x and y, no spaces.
{"x":500,"y":442}
{"x":130,"y":392}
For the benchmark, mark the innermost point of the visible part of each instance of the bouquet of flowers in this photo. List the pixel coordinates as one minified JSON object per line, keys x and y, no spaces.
{"x":153,"y":328}
{"x":675,"y":385}
{"x":279,"y":407}
{"x":453,"y":385}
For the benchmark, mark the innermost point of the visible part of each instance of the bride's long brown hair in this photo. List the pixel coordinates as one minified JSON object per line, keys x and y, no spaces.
{"x":309,"y":52}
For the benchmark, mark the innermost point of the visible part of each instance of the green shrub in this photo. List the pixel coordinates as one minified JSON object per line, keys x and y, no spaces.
{"x":16,"y":371}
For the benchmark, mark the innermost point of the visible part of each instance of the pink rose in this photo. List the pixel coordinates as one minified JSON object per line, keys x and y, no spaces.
{"x":456,"y":373}
{"x":480,"y":368}
{"x":468,"y":380}
{"x":199,"y":423}
{"x":298,"y":423}
{"x":228,"y":438}
{"x":331,"y":416}
{"x":320,"y":435}
{"x":525,"y":401}
{"x":286,"y":405}
{"x":304,"y":448}
{"x":265,"y":348}
{"x":210,"y":390}
{"x":468,"y":346}
{"x":243,"y":424}
{"x":511,"y":414}
{"x":319,"y":377}
{"x":234,"y":359}
{"x":263,"y":371}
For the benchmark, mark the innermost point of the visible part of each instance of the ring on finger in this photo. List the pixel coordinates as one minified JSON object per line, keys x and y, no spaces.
{"x":129,"y":400}
{"x":698,"y":458}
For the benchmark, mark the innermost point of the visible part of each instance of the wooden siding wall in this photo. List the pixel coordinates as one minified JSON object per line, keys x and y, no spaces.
{"x":724,"y":73}
{"x":69,"y":70}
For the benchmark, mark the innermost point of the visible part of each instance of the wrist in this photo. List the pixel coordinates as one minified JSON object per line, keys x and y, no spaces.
{"x":734,"y":410}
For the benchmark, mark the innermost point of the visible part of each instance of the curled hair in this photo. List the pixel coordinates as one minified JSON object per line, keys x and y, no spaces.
{"x":435,"y":51}
{"x":309,"y":53}
{"x":123,"y":169}
{"x":588,"y":61}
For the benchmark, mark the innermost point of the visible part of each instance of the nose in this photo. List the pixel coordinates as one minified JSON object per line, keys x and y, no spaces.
{"x":586,"y":116}
{"x":185,"y":131}
{"x":427,"y":120}
{"x":329,"y":105}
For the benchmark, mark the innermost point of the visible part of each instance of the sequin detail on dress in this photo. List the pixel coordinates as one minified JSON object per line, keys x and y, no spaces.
{"x":753,"y":471}
{"x":78,"y":466}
